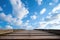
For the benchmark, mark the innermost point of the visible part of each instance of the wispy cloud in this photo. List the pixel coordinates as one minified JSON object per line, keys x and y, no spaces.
{"x":9,"y":27}
{"x":53,"y":21}
{"x":39,"y":2}
{"x":50,"y":3}
{"x":43,"y":11}
{"x":7,"y":18}
{"x":56,"y":9}
{"x":21,"y":15}
{"x":54,"y":2}
{"x":19,"y":12}
{"x":33,"y":17}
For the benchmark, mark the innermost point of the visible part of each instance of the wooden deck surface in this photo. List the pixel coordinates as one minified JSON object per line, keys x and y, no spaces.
{"x":5,"y":31}
{"x":29,"y":34}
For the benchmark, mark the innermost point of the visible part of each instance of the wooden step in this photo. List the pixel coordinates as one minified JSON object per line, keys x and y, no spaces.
{"x":27,"y":34}
{"x":30,"y":37}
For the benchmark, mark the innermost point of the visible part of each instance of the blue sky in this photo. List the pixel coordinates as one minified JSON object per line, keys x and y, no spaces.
{"x":29,"y":14}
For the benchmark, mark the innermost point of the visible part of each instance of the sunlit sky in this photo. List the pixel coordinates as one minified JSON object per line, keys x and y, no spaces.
{"x":29,"y":14}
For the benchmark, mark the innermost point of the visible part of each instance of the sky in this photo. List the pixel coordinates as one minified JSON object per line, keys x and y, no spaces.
{"x":29,"y":14}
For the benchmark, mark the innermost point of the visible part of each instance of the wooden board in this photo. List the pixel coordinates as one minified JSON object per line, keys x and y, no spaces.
{"x":29,"y":34}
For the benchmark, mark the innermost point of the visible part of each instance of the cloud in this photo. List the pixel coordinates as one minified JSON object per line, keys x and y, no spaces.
{"x":7,"y":18}
{"x":18,"y":23}
{"x":51,"y":21}
{"x":56,"y":27}
{"x":48,"y":17}
{"x":8,"y":27}
{"x":29,"y":28}
{"x":43,"y":11}
{"x":18,"y":13}
{"x":49,"y":24}
{"x":33,"y":17}
{"x":19,"y":9}
{"x":42,"y":25}
{"x":56,"y":9}
{"x":39,"y":2}
{"x":54,"y":2}
{"x":50,"y":3}
{"x":2,"y":16}
{"x":25,"y":25}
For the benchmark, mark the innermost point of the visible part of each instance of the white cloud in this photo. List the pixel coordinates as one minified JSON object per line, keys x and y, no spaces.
{"x":50,"y":3}
{"x":43,"y":11}
{"x":43,"y":24}
{"x":39,"y":2}
{"x":18,"y":22}
{"x":53,"y":21}
{"x":19,"y":9}
{"x":54,"y":2}
{"x":29,"y":28}
{"x":48,"y":17}
{"x":8,"y":27}
{"x":26,"y":23}
{"x":1,"y":9}
{"x":56,"y":9}
{"x":33,"y":17}
{"x":56,"y":27}
{"x":49,"y":24}
{"x":19,"y":12}
{"x":9,"y":18}
{"x":4,"y":17}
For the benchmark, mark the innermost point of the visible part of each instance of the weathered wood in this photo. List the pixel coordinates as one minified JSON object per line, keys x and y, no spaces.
{"x":29,"y":34}
{"x":5,"y":31}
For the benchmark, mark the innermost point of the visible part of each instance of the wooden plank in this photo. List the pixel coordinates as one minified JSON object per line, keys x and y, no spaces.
{"x":5,"y":31}
{"x":26,"y":34}
{"x":30,"y":37}
{"x":29,"y":34}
